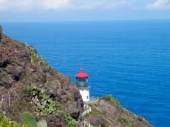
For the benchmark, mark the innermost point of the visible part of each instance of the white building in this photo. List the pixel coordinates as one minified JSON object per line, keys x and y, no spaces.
{"x":82,"y":85}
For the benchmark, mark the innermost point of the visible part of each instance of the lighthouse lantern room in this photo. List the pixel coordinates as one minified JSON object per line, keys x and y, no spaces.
{"x":82,"y":85}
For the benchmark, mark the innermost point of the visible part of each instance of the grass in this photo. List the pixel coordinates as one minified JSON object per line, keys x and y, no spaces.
{"x":125,"y":121}
{"x":36,"y":59}
{"x":112,"y":100}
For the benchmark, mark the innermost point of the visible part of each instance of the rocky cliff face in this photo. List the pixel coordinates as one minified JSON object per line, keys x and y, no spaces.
{"x":107,"y":112}
{"x":28,"y":83}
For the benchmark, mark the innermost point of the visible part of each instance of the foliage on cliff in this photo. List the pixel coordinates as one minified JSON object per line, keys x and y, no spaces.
{"x":34,"y":95}
{"x":29,"y":84}
{"x":108,"y":112}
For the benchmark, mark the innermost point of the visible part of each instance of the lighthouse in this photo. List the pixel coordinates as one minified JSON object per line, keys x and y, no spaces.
{"x":82,"y":85}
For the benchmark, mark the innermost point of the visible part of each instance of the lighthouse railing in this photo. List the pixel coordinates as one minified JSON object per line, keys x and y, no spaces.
{"x":82,"y":85}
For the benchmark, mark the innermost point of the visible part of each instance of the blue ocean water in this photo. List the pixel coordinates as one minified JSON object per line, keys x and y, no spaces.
{"x":128,"y":59}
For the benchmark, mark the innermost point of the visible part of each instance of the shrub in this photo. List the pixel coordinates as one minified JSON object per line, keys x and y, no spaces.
{"x":112,"y":100}
{"x":35,"y":58}
{"x":124,"y":120}
{"x":70,"y":121}
{"x":42,"y":103}
{"x":4,"y":122}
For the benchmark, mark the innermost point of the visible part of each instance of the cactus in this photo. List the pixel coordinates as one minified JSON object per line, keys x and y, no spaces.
{"x":42,"y":123}
{"x":29,"y":120}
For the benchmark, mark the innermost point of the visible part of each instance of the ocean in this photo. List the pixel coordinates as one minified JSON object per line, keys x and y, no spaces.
{"x":127,"y":59}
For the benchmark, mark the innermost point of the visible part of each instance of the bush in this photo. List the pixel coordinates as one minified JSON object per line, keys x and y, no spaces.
{"x":111,"y":100}
{"x":4,"y":122}
{"x":27,"y":119}
{"x":42,"y":103}
{"x":35,"y":58}
{"x":70,"y":121}
{"x":124,"y":120}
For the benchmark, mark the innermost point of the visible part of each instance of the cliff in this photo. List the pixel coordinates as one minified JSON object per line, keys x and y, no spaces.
{"x":29,"y":85}
{"x":108,"y":112}
{"x":23,"y":72}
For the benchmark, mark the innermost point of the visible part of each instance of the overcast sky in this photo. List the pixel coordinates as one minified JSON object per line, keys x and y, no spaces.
{"x":82,"y":10}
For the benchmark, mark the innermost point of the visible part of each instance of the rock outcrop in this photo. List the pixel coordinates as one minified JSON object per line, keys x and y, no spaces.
{"x":107,"y":112}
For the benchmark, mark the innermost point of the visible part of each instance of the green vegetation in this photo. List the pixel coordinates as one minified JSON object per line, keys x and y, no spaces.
{"x":42,"y":123}
{"x":3,"y":69}
{"x":124,"y":120}
{"x":29,"y":120}
{"x":5,"y":122}
{"x":111,"y":100}
{"x":42,"y":103}
{"x":70,"y":121}
{"x":96,"y":112}
{"x":35,"y":58}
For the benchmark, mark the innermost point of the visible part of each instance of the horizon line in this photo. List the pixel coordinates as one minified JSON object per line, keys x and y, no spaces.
{"x":85,"y":21}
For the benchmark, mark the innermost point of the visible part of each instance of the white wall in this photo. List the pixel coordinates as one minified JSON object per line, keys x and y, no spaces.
{"x":85,"y":94}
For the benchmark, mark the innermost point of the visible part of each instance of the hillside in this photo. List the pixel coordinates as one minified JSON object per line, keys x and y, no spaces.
{"x":28,"y":85}
{"x":21,"y":72}
{"x":108,"y":112}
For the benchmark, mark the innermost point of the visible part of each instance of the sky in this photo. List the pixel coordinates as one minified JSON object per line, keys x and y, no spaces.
{"x":82,"y":10}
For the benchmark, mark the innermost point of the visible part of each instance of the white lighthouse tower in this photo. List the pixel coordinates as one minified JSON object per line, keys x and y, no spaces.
{"x":82,"y":85}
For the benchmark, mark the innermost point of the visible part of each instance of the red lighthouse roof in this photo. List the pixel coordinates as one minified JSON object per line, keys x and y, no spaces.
{"x":82,"y":74}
